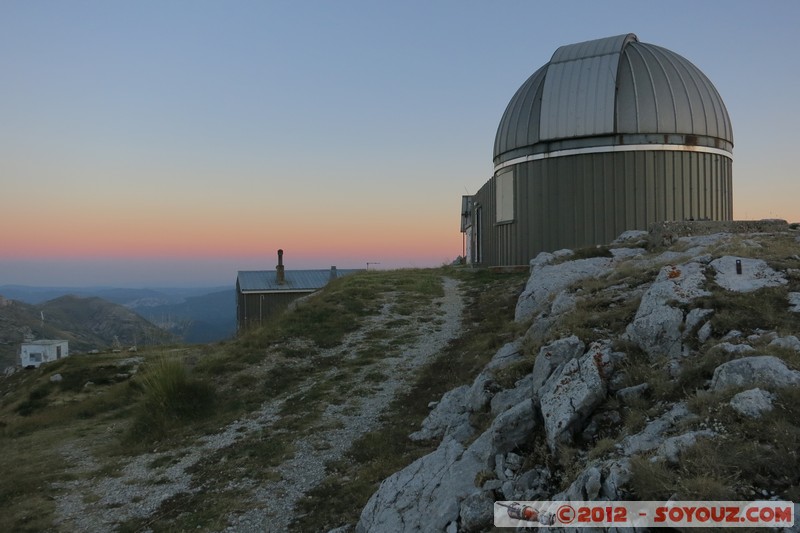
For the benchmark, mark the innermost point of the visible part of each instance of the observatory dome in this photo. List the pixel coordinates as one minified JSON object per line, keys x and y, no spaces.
{"x":612,"y":91}
{"x":610,"y":135}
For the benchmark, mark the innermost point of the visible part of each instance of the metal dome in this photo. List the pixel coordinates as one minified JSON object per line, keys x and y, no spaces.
{"x":610,"y":92}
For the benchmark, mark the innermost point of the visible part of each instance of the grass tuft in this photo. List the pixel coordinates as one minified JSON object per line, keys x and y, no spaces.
{"x":169,"y":397}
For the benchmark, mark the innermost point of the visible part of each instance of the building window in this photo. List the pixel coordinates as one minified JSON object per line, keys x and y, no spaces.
{"x":504,"y":196}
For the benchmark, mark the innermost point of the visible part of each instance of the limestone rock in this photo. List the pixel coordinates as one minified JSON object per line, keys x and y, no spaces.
{"x":625,"y":253}
{"x":672,"y":447}
{"x":652,"y":435}
{"x":449,"y":413}
{"x":791,"y":342}
{"x":480,"y":393}
{"x":753,"y":403}
{"x":617,"y":474}
{"x":507,"y":354}
{"x":553,"y":356}
{"x":531,"y":485}
{"x":657,"y":326}
{"x":761,"y":369}
{"x":548,"y":279}
{"x":629,"y":394}
{"x":704,"y":333}
{"x":695,"y":316}
{"x":508,"y":398}
{"x":570,"y":396}
{"x":477,"y":512}
{"x":735,"y":348}
{"x":794,"y":302}
{"x":756,"y":274}
{"x":426,"y":495}
{"x":632,"y":235}
{"x":513,"y":427}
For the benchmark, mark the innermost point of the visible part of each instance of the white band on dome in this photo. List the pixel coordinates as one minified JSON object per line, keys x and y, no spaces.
{"x":616,"y":148}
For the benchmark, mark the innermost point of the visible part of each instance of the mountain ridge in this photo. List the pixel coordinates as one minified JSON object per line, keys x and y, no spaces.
{"x":87,"y":323}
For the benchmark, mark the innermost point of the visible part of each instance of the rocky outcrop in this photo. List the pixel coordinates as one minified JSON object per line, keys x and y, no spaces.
{"x":579,"y":393}
{"x":765,"y":370}
{"x":569,"y":396}
{"x":549,"y":277}
{"x":742,"y":274}
{"x":450,"y":416}
{"x":427,"y":494}
{"x":658,"y":327}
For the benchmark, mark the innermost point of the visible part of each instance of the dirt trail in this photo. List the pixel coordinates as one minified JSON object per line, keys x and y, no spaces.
{"x":137,"y":488}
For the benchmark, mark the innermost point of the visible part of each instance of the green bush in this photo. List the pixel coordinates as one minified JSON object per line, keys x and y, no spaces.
{"x":170,"y":397}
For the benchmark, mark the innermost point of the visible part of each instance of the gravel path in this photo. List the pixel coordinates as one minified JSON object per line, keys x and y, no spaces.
{"x":97,"y":503}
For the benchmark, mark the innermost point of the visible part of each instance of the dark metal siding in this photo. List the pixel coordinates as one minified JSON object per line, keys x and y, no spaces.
{"x":589,"y":199}
{"x":253,"y":309}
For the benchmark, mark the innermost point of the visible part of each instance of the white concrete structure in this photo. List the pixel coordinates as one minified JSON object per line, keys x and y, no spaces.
{"x":34,"y":353}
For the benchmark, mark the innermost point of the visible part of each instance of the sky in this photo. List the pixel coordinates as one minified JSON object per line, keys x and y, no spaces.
{"x":175,"y":142}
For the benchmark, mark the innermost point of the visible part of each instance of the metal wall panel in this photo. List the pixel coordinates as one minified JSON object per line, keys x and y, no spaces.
{"x":662,"y":92}
{"x":519,"y":125}
{"x":578,"y":98}
{"x":589,"y":199}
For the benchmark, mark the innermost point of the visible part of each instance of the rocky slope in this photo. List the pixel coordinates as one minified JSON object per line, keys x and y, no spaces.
{"x":665,"y":365}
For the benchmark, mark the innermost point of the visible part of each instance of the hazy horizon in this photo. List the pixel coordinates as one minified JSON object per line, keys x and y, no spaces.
{"x":176,"y":143}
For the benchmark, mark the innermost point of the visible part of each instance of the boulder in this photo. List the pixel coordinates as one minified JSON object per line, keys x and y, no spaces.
{"x":756,"y":274}
{"x":652,"y":436}
{"x":673,"y":447}
{"x":553,"y":356}
{"x":426,"y":495}
{"x":476,"y":513}
{"x":480,"y":392}
{"x":55,"y":378}
{"x":753,"y":403}
{"x":598,"y":481}
{"x":570,"y":396}
{"x":695,"y":316}
{"x":629,"y":394}
{"x":791,"y":342}
{"x":513,"y":428}
{"x":735,"y":348}
{"x":507,"y":354}
{"x":617,"y":474}
{"x":761,"y":369}
{"x":531,"y":485}
{"x":508,"y":398}
{"x":548,"y":279}
{"x":704,"y":333}
{"x":484,"y":387}
{"x":658,"y":326}
{"x":450,"y":413}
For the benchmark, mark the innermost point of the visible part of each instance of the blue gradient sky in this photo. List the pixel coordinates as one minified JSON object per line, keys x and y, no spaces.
{"x":176,"y":142}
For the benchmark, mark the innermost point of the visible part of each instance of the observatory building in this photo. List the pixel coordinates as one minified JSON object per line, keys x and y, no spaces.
{"x":610,"y":135}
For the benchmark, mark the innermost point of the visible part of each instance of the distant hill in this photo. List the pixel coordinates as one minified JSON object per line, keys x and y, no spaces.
{"x":194,"y":315}
{"x":207,"y":318}
{"x":87,"y":323}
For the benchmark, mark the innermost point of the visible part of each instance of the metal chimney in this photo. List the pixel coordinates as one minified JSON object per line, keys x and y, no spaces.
{"x":279,"y":274}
